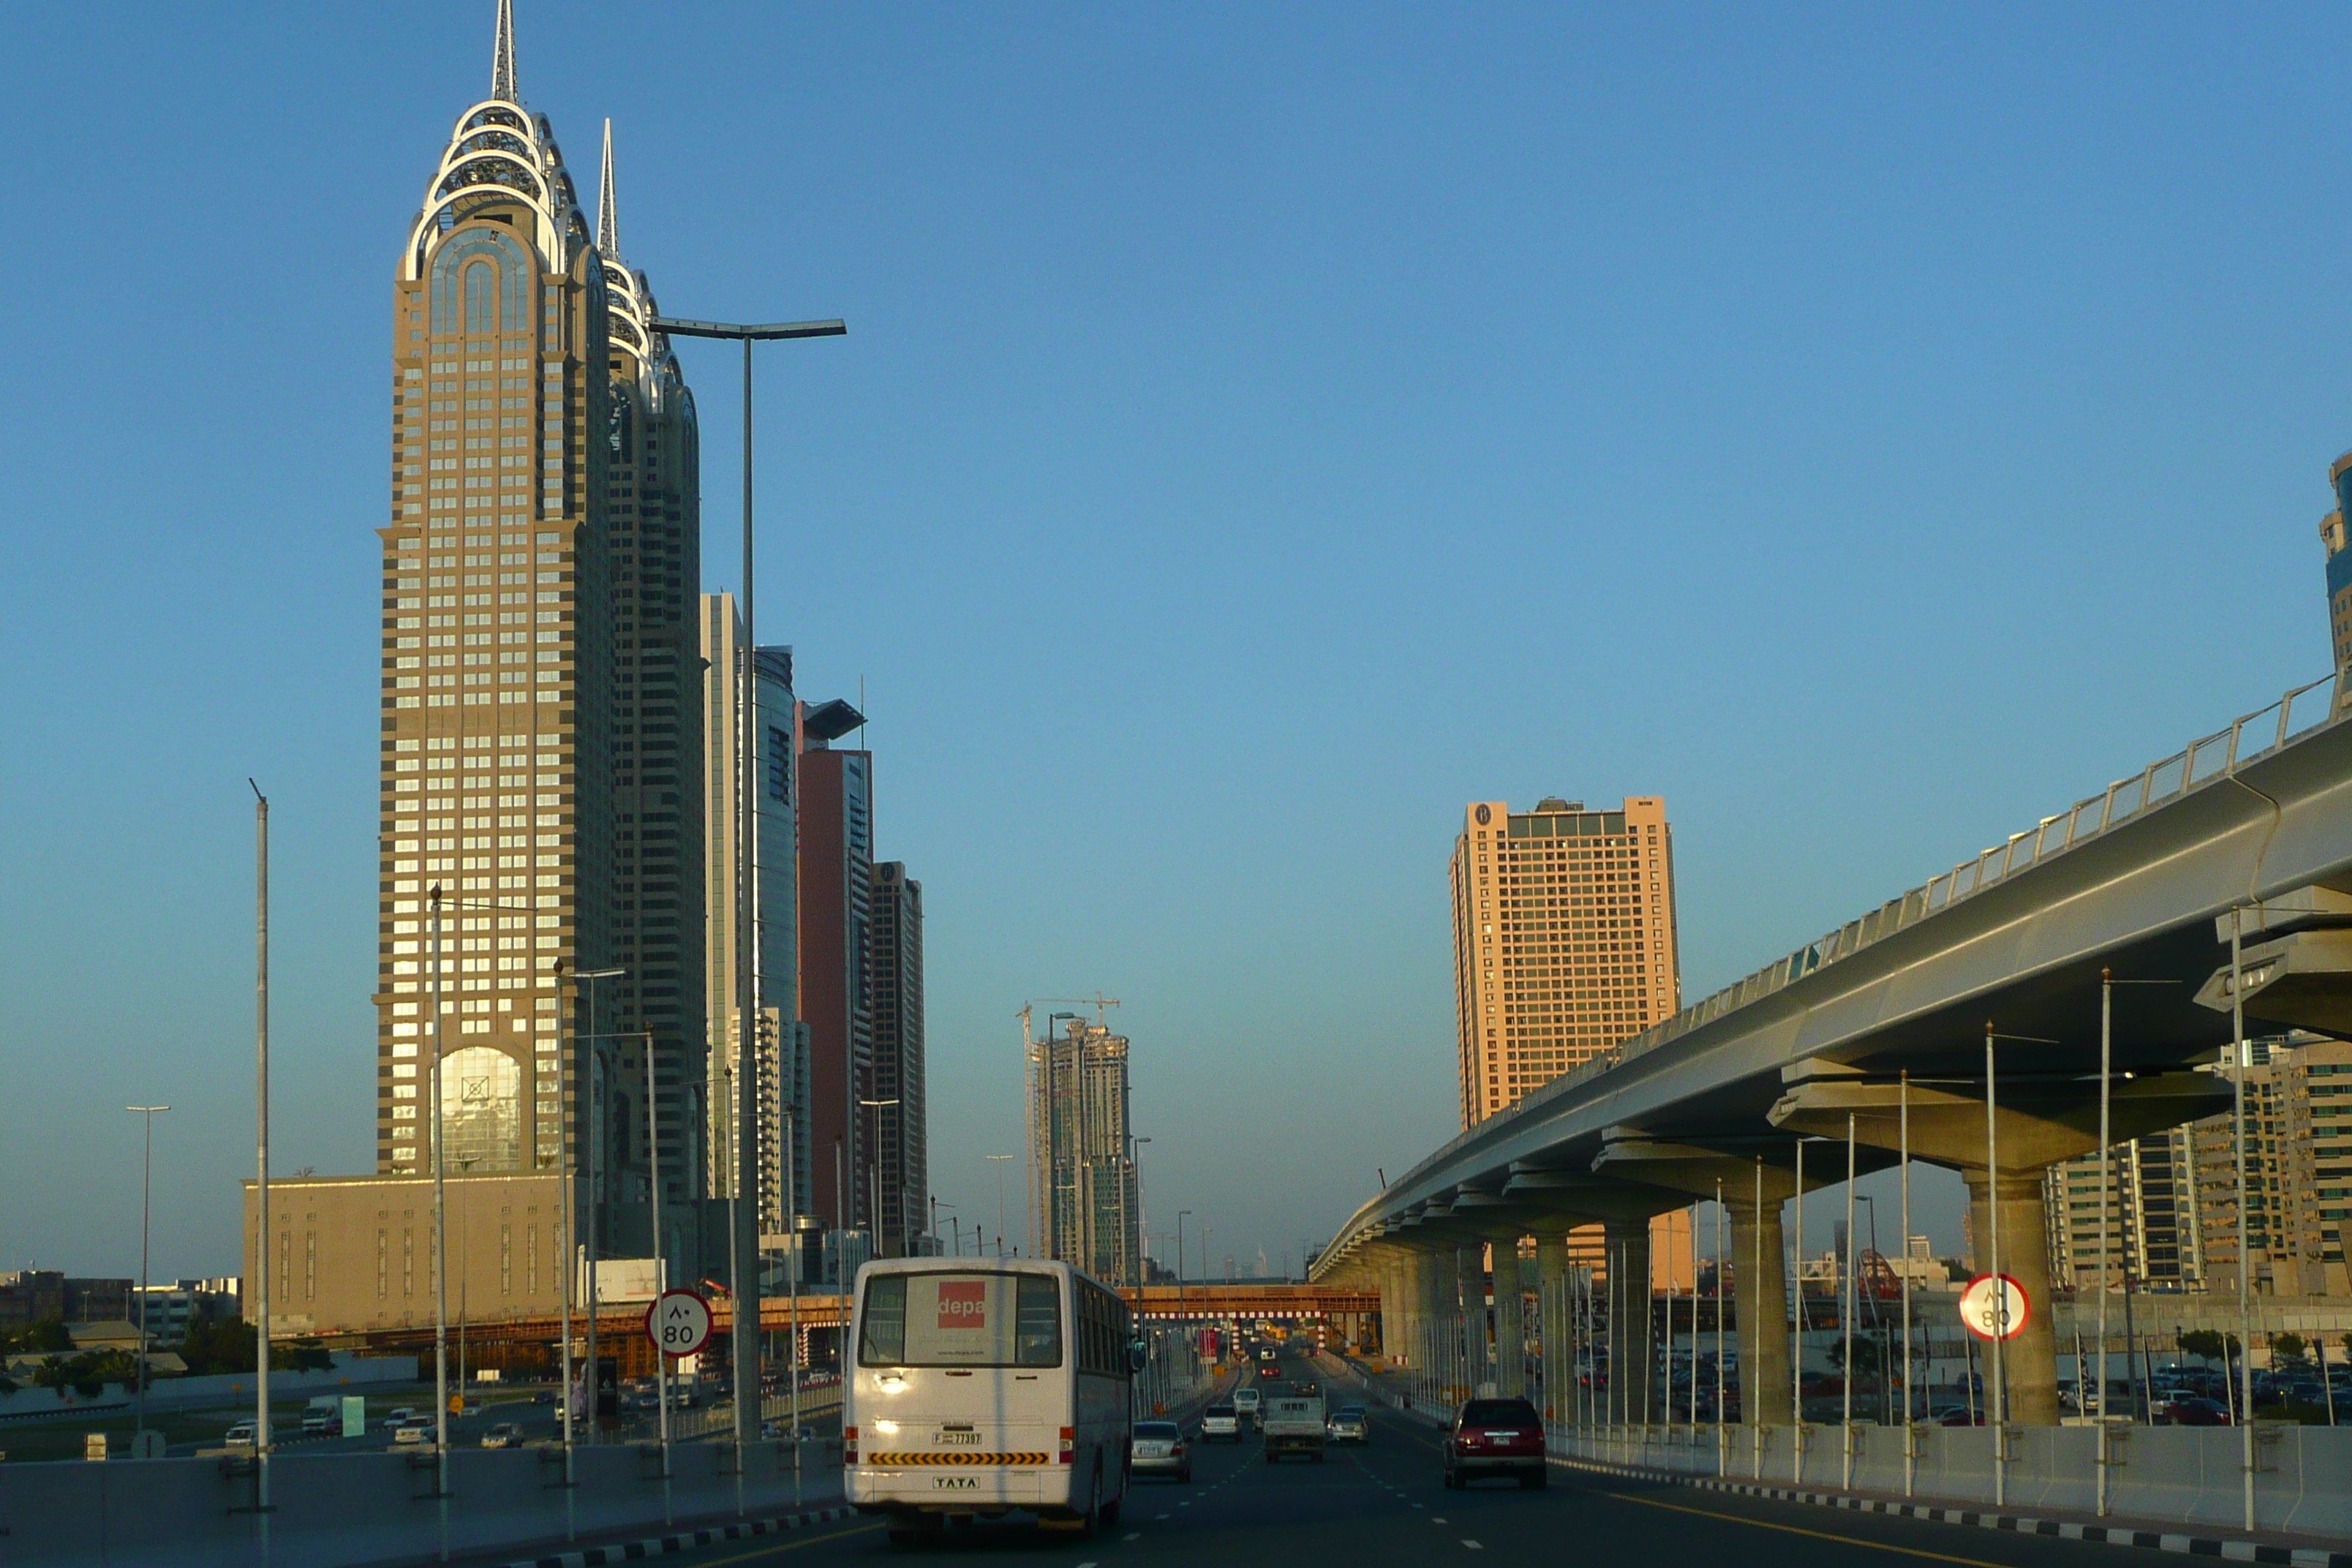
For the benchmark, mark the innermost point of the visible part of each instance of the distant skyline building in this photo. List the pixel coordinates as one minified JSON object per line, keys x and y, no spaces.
{"x":836,"y":892}
{"x":1564,"y":940}
{"x":781,"y":1052}
{"x":900,"y":1157}
{"x":2298,"y":1172}
{"x":1086,"y":1200}
{"x":2152,"y":1231}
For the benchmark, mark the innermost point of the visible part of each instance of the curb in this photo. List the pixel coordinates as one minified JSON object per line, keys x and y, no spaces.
{"x":621,"y":1551}
{"x":2235,"y":1549}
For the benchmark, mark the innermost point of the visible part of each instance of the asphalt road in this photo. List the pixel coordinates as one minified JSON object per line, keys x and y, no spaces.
{"x":1381,"y":1506}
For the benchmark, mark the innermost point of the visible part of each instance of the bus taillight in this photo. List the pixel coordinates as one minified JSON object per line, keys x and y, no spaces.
{"x":1069,"y":1438}
{"x":849,"y":1445}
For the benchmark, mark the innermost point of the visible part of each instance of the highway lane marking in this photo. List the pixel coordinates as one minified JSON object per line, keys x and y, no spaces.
{"x":1472,"y":1545}
{"x":789,"y":1545}
{"x":1798,"y":1529}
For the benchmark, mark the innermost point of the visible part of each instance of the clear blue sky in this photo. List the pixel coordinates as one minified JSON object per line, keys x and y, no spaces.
{"x":1262,"y":430}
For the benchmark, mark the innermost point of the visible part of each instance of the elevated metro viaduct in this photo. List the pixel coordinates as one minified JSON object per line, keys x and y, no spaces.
{"x":2142,"y":881}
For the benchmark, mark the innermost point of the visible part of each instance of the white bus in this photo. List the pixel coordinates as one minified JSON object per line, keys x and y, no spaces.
{"x":976,"y":1389}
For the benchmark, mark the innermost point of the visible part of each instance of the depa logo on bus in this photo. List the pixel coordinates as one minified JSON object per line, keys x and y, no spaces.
{"x":963,"y":1303}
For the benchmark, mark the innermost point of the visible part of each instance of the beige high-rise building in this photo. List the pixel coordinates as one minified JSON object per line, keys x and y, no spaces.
{"x":539,"y":573}
{"x":1564,"y":940}
{"x":2298,"y":1171}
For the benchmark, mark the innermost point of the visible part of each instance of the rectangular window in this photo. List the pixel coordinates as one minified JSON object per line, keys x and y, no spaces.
{"x":958,"y":1318}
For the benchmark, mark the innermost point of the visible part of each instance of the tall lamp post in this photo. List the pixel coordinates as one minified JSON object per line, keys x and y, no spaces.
{"x":261,"y":1441}
{"x":1182,"y":1215}
{"x":745,"y":1221}
{"x":874,"y":1166}
{"x":584,"y":986}
{"x":998,"y":1161}
{"x":146,"y":1191}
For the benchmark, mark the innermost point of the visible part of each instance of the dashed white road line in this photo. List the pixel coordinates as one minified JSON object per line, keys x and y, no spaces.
{"x":1132,"y":1535}
{"x":1471,"y":1545}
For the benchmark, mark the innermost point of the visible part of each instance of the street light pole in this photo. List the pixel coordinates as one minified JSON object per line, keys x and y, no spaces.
{"x":585,"y":984}
{"x":1182,"y":1215}
{"x":261,"y":1175}
{"x":746,"y":1217}
{"x":440,"y":1254}
{"x":146,"y":1191}
{"x":997,"y":1160}
{"x":874,"y":1166}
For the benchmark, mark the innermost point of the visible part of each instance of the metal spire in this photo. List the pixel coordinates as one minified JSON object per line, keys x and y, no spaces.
{"x":608,"y":215}
{"x":502,"y":61}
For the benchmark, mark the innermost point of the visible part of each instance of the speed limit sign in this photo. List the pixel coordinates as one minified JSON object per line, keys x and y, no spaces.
{"x":1994,"y":1307}
{"x":678,"y":1323}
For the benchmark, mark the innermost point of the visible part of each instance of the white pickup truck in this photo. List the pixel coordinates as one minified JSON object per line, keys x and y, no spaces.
{"x":1293,"y":1424}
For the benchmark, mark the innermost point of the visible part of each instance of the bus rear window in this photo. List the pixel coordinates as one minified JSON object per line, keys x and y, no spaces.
{"x":957,"y":1318}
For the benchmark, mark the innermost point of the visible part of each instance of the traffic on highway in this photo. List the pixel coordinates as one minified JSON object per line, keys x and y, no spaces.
{"x":1397,"y":1490}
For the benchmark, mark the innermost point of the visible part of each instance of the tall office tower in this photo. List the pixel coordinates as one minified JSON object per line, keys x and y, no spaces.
{"x":837,"y":867}
{"x":2298,"y":1171}
{"x":901,"y":1158}
{"x":2340,"y":566}
{"x":1085,"y":1203}
{"x":654,"y":481}
{"x":497,"y":810}
{"x":782,"y":1106}
{"x":1564,"y":940}
{"x":2151,"y":1227}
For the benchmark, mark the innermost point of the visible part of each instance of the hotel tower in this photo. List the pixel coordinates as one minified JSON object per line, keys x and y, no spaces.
{"x":1564,"y":940}
{"x":542,"y":801}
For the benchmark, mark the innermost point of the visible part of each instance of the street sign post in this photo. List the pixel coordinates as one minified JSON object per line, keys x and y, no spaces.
{"x":1994,"y":1308}
{"x":678,"y":1323}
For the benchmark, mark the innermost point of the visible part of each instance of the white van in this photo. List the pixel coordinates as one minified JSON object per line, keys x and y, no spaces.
{"x":983,"y":1390}
{"x":1248,"y":1403}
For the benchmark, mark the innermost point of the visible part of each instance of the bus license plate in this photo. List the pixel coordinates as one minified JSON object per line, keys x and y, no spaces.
{"x":955,"y":1484}
{"x":957,"y":1439}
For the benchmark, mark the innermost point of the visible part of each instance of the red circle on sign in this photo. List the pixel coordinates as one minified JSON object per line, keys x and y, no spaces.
{"x":678,"y":1323}
{"x":1977,"y":1308}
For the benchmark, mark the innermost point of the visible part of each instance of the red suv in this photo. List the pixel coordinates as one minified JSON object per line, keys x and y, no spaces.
{"x":1495,"y":1438}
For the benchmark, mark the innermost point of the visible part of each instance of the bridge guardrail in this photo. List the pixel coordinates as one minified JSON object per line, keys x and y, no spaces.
{"x":2175,"y":1475}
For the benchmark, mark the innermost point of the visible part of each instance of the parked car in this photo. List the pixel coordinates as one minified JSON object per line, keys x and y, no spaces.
{"x":1160,"y":1450}
{"x":1494,"y":1437}
{"x":505,"y":1435}
{"x":2195,"y":1412}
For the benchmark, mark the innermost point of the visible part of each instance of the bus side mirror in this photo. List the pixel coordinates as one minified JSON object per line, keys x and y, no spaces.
{"x":1139,"y":1355}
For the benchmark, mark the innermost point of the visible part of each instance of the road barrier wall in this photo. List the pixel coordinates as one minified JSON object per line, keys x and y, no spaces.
{"x":331,"y":1511}
{"x":2181,"y":1474}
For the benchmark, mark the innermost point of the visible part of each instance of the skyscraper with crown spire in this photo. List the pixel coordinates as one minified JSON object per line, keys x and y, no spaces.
{"x":540,"y":563}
